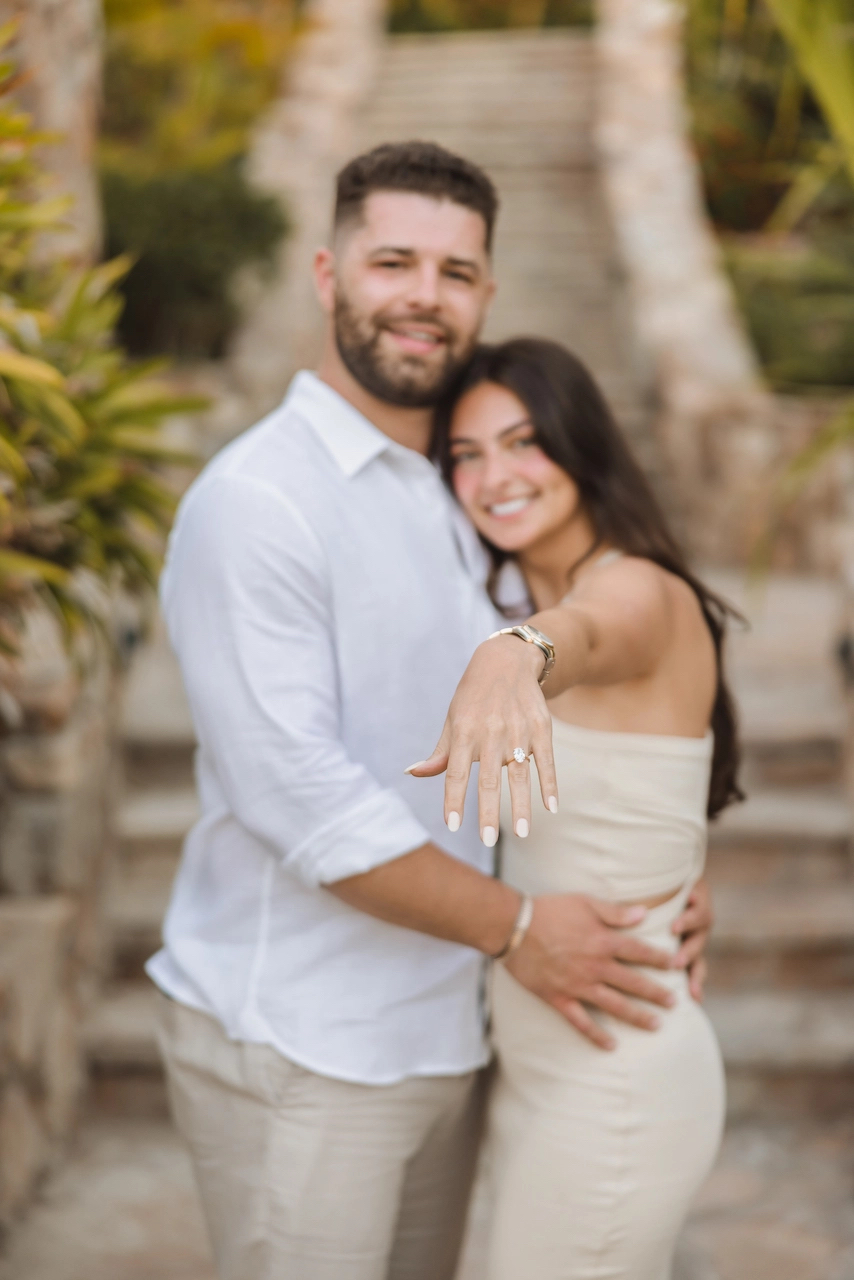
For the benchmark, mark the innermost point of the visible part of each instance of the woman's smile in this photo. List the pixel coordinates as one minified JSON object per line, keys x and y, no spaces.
{"x":509,"y":507}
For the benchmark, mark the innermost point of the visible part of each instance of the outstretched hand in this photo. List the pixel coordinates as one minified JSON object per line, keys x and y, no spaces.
{"x":497,"y":708}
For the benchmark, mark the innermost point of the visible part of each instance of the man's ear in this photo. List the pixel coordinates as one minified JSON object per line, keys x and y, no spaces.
{"x":324,"y":279}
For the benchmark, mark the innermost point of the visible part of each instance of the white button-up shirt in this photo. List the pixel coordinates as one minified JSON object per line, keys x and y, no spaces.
{"x":322,"y":594}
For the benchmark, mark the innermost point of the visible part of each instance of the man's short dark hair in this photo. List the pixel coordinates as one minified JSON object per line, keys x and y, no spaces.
{"x":420,"y":167}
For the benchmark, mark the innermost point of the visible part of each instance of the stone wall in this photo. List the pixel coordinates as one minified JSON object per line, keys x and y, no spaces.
{"x":56,"y":789}
{"x":59,"y":49}
{"x":298,"y":147}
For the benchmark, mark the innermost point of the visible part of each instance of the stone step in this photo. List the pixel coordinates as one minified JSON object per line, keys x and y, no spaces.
{"x":120,"y":1031}
{"x":786,"y":1053}
{"x":783,"y":938}
{"x":782,"y":836}
{"x":136,"y":904}
{"x":787,"y":814}
{"x":156,"y":819}
{"x":158,"y":766}
{"x":120,"y":1036}
{"x":780,"y":1048}
{"x":154,"y":707}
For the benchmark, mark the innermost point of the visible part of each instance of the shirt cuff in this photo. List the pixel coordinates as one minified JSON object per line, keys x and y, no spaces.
{"x":375,"y":831}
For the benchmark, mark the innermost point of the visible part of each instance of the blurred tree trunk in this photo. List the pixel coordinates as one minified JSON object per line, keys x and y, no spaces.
{"x":59,"y":49}
{"x":298,"y":148}
{"x":714,"y":411}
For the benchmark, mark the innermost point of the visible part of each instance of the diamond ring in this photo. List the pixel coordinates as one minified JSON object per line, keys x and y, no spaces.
{"x":519,"y":755}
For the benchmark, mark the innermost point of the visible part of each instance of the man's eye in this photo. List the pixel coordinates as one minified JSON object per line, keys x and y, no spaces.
{"x":460,"y":275}
{"x":390,"y":266}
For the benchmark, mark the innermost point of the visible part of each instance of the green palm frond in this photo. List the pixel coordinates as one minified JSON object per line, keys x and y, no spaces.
{"x":84,"y":471}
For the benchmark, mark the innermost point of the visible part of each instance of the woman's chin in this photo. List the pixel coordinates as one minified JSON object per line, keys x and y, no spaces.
{"x":510,"y":541}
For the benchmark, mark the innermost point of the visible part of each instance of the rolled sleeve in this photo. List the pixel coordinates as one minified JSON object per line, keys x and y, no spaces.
{"x":248,"y":605}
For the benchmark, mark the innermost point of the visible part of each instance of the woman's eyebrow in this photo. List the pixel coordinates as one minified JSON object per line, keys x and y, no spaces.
{"x":514,"y":426}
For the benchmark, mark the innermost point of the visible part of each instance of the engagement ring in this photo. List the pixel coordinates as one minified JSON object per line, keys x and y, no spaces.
{"x":519,"y":756}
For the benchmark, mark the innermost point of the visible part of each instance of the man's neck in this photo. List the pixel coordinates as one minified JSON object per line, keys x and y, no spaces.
{"x":411,"y":428}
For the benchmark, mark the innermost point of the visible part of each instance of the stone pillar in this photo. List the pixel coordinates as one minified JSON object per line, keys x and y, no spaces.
{"x":297,"y":150}
{"x":715,"y":414}
{"x":56,"y":789}
{"x":59,"y":49}
{"x":40,"y":1061}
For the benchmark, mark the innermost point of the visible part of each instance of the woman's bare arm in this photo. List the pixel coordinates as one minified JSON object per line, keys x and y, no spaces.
{"x":615,"y":629}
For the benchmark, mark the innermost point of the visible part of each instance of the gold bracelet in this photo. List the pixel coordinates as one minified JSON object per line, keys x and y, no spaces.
{"x":520,"y":928}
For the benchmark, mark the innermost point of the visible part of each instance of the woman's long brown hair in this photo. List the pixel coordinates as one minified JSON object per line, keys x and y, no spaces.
{"x":574,"y":427}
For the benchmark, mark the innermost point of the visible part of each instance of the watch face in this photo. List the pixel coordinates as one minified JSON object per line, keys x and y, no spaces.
{"x":540,"y":636}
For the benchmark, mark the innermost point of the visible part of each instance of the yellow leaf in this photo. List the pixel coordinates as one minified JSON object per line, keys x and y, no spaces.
{"x":27,"y":369}
{"x":34,"y":569}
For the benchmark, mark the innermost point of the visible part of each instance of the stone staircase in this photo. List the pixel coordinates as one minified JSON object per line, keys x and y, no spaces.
{"x":781,"y":990}
{"x":157,"y":810}
{"x":522,"y":105}
{"x":782,"y":958}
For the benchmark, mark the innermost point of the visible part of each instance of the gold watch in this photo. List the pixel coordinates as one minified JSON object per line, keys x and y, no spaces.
{"x":532,"y":636}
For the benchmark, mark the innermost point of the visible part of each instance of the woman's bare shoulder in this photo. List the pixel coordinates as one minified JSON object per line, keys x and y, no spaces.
{"x":654,"y":595}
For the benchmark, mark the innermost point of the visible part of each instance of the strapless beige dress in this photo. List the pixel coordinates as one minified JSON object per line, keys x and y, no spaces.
{"x":597,"y":1156}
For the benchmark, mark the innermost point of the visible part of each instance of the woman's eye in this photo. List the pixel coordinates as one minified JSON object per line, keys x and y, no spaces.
{"x":524,"y":442}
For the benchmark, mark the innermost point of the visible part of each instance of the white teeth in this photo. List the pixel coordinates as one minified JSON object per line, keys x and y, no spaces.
{"x":418,"y":336}
{"x":508,"y":508}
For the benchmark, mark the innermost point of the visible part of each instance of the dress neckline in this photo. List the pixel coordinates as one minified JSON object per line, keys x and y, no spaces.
{"x":665,"y":742}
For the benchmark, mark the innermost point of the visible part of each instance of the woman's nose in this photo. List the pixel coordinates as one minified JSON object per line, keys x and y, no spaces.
{"x":496,"y":471}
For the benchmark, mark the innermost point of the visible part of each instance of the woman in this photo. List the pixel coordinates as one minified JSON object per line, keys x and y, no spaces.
{"x":597,"y":1156}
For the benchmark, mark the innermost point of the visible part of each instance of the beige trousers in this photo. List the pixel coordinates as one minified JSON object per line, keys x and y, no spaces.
{"x":303,"y":1177}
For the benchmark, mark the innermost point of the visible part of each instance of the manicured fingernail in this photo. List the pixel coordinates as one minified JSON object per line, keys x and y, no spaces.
{"x":634,"y":915}
{"x":489,"y":836}
{"x":417,"y":765}
{"x":654,"y":1024}
{"x":522,"y":828}
{"x":670,"y":1001}
{"x":453,"y":821}
{"x":552,"y":804}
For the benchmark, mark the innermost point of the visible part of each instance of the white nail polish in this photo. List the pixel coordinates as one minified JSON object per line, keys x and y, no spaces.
{"x":417,"y":765}
{"x":453,"y":821}
{"x":552,"y":804}
{"x":489,"y":836}
{"x":522,"y":828}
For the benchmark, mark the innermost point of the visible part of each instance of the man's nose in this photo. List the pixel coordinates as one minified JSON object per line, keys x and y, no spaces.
{"x":424,"y":291}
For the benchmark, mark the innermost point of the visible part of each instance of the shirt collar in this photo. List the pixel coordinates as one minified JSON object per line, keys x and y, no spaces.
{"x":351,"y":439}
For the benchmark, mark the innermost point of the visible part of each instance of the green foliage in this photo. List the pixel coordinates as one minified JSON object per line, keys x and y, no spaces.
{"x":457,"y":15}
{"x":81,"y":495}
{"x":189,"y":232}
{"x":799,"y":304}
{"x":185,"y":79}
{"x":771,"y":85}
{"x":184,"y":82}
{"x":821,"y":36}
{"x":756,"y":124}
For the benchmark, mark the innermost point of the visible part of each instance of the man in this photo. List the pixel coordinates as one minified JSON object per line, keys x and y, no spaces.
{"x":324,"y":946}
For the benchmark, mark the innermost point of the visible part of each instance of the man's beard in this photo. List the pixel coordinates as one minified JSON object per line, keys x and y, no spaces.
{"x":407,"y":380}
